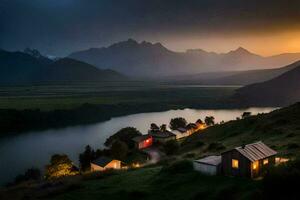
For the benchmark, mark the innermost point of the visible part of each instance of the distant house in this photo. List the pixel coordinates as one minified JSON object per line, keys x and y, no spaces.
{"x":162,"y":136}
{"x":250,"y":160}
{"x":181,"y":133}
{"x":200,"y":125}
{"x":143,"y":141}
{"x":104,"y":163}
{"x":210,"y":165}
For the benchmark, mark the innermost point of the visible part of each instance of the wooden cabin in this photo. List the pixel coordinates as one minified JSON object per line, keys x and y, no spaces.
{"x":162,"y":136}
{"x":143,"y":141}
{"x":250,"y":160}
{"x":104,"y":163}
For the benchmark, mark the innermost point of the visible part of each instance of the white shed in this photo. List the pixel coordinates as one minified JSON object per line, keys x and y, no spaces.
{"x":209,"y":165}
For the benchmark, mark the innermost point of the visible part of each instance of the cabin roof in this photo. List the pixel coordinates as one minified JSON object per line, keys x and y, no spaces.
{"x":162,"y":134}
{"x":256,"y":151}
{"x":102,"y":161}
{"x":210,"y":160}
{"x":141,"y":138}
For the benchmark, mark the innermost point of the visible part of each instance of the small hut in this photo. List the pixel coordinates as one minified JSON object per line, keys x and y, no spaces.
{"x":143,"y":141}
{"x":249,"y":160}
{"x":210,"y":165}
{"x":104,"y":163}
{"x":162,"y":136}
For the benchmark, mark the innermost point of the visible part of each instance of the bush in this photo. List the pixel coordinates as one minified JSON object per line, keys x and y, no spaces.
{"x":215,"y":146}
{"x":60,"y":166}
{"x":178,"y":167}
{"x":171,"y":147}
{"x":30,"y":174}
{"x":293,"y":146}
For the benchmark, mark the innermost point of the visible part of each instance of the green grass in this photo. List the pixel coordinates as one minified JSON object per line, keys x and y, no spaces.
{"x":152,"y":183}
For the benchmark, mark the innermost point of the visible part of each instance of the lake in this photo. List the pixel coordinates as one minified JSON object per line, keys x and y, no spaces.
{"x":34,"y":149}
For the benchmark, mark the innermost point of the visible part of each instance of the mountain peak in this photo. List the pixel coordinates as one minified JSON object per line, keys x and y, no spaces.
{"x":240,"y":52}
{"x":33,"y":52}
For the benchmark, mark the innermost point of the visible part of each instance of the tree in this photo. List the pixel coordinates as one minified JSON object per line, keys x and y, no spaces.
{"x":163,"y":127}
{"x":86,"y":157}
{"x":60,"y":166}
{"x":171,"y":147}
{"x":209,"y":121}
{"x":30,"y":174}
{"x":125,"y":135}
{"x":154,"y":127}
{"x":178,"y":122}
{"x":199,"y":121}
{"x":119,"y":150}
{"x":246,"y":114}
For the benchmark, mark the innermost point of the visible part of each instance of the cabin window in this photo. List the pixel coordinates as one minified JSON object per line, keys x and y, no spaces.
{"x":265,"y":161}
{"x":235,"y":163}
{"x":255,"y":165}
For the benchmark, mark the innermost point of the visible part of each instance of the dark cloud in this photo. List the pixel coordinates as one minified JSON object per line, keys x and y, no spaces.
{"x":61,"y":26}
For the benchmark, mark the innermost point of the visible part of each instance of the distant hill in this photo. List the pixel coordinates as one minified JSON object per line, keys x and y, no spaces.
{"x":18,"y":67}
{"x":32,"y":67}
{"x":232,"y":77}
{"x":67,"y":69}
{"x":155,"y":60}
{"x":280,"y":91}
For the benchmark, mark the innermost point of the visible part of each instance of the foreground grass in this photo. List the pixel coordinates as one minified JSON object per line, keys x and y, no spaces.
{"x":154,"y":183}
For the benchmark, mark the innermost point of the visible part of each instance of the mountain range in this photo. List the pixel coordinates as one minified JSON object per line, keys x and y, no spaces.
{"x":280,"y":91}
{"x":31,"y":67}
{"x":154,"y":60}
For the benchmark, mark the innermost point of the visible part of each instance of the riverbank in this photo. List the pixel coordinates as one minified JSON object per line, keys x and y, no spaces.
{"x":40,"y":108}
{"x":36,"y":147}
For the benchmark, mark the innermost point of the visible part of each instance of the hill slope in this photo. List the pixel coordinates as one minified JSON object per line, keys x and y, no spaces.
{"x":280,"y":129}
{"x":152,"y":60}
{"x":280,"y":91}
{"x":31,"y":67}
{"x":18,"y":67}
{"x":67,"y":69}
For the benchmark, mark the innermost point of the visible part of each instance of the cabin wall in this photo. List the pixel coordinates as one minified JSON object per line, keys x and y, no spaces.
{"x":115,"y":164}
{"x":145,"y":143}
{"x":244,"y":169}
{"x":205,"y":168}
{"x":96,"y":168}
{"x":262,"y":168}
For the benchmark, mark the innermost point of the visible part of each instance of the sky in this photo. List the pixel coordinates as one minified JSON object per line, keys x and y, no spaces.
{"x":59,"y":27}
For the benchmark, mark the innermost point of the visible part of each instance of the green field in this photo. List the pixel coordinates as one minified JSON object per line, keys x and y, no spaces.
{"x":61,"y":96}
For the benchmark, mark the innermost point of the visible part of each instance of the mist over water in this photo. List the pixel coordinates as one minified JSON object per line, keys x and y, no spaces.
{"x":34,"y":149}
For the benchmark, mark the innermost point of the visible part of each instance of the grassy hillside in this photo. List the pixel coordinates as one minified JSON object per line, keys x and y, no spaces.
{"x":160,"y":184}
{"x":280,"y":129}
{"x":178,"y":182}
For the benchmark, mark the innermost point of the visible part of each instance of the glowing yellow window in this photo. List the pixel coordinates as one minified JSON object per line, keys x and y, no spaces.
{"x":235,"y":163}
{"x":265,"y":161}
{"x":255,"y":165}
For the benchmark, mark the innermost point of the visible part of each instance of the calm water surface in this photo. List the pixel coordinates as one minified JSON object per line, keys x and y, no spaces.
{"x":33,"y":149}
